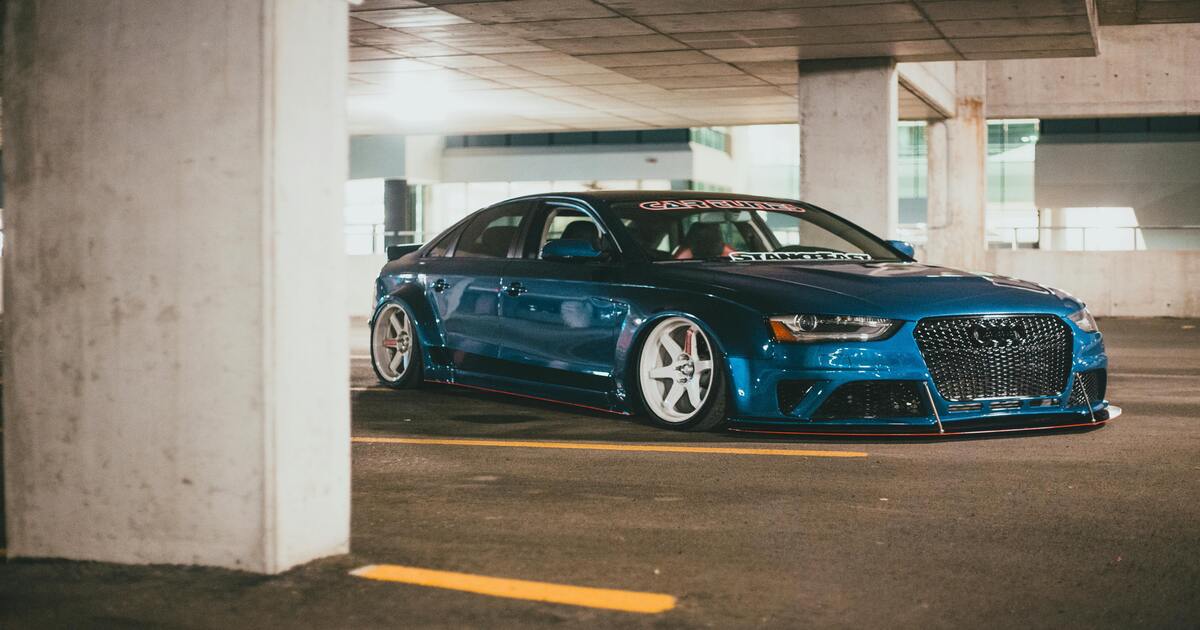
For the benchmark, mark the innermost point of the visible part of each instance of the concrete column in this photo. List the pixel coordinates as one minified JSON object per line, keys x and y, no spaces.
{"x":936,"y":181}
{"x":175,"y":342}
{"x":957,"y":173}
{"x":848,"y":115}
{"x":1055,"y":239}
{"x":397,"y":217}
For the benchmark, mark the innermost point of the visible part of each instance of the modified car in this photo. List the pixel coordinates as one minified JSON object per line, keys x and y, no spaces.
{"x":705,"y":310}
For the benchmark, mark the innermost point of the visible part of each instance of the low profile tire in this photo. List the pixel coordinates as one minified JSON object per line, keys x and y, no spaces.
{"x":681,"y":380}
{"x":395,"y":350}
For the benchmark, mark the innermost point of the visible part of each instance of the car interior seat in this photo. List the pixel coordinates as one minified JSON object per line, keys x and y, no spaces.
{"x":704,"y":240}
{"x":495,"y":240}
{"x":583,"y":230}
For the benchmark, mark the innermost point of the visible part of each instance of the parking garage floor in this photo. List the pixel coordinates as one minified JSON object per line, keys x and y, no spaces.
{"x":1094,"y":528}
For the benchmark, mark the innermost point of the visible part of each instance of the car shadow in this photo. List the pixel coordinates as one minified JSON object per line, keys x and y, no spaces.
{"x":437,"y":410}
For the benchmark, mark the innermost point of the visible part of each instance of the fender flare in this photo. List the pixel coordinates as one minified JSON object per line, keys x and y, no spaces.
{"x":627,"y":379}
{"x":411,"y":296}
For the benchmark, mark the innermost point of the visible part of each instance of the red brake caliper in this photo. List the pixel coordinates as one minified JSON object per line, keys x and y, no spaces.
{"x":688,"y":338}
{"x":390,"y":343}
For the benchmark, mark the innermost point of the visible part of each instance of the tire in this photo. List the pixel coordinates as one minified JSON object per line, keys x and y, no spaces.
{"x":396,"y":353}
{"x":677,"y":366}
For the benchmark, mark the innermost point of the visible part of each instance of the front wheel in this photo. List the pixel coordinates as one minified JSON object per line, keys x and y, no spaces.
{"x":395,"y":349}
{"x":680,"y":379}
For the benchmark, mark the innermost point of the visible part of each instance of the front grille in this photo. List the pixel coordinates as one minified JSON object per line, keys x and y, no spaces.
{"x":1004,"y":356}
{"x":1094,"y":382}
{"x":874,"y":399}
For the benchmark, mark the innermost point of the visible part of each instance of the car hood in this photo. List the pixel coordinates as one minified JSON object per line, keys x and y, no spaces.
{"x":897,"y":290}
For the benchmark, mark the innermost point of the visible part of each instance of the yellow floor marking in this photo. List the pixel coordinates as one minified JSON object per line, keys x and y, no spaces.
{"x":643,"y":448}
{"x":628,"y":601}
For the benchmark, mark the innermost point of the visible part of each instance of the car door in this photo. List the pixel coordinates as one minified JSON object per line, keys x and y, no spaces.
{"x":464,"y":287}
{"x":560,"y":320}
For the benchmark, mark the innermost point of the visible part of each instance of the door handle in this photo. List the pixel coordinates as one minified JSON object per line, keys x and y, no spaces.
{"x":441,"y":285}
{"x":515,"y":288}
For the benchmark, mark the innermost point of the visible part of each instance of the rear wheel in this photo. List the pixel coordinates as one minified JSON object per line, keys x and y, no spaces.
{"x":395,"y":350}
{"x":680,"y":379}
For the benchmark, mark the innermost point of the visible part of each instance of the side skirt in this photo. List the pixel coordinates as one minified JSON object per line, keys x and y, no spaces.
{"x":492,"y":390}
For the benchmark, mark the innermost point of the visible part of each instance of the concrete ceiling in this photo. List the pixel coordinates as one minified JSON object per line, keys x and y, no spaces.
{"x":1123,"y":12}
{"x":524,"y":65}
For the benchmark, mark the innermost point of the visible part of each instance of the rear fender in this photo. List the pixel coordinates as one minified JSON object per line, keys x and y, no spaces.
{"x":411,"y":294}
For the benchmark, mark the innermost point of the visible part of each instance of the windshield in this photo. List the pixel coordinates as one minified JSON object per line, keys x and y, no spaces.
{"x":744,"y":231}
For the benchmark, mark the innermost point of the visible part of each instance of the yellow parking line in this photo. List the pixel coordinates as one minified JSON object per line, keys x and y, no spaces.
{"x":611,"y":599}
{"x":640,"y":448}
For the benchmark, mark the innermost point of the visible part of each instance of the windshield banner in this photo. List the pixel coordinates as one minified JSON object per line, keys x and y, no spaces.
{"x":775,"y":256}
{"x":718,"y":204}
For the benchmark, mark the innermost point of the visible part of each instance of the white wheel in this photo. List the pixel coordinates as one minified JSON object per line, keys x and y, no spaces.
{"x":676,"y":371}
{"x":392,"y":344}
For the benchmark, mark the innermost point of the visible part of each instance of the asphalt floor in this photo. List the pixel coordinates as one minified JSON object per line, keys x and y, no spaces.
{"x":1098,"y":528}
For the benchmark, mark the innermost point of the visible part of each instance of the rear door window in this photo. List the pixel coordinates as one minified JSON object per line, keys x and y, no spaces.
{"x":493,"y":233}
{"x":564,"y":221}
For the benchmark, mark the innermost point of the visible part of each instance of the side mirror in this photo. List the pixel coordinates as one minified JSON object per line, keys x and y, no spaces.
{"x":567,"y":249}
{"x":904,"y":247}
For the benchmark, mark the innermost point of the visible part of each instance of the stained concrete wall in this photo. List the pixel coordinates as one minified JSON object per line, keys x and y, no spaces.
{"x":1122,"y":284}
{"x":1144,"y":70}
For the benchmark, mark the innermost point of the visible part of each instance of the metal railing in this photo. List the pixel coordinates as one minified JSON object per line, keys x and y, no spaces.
{"x":370,"y":238}
{"x":915,"y":233}
{"x":1095,"y":238}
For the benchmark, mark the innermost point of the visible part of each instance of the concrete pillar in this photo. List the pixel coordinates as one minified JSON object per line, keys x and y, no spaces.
{"x":958,"y":176}
{"x":397,"y":216}
{"x":936,"y":181}
{"x":175,"y":342}
{"x":1052,"y":236}
{"x":848,"y":115}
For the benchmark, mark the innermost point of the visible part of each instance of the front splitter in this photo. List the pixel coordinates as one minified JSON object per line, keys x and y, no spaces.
{"x":1099,"y":419}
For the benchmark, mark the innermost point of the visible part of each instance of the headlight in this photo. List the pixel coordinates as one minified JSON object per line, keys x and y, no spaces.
{"x":811,"y":328}
{"x":1084,"y":320}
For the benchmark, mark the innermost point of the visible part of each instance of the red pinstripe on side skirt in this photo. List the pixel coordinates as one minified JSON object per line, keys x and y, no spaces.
{"x":1098,"y":423}
{"x":549,"y":400}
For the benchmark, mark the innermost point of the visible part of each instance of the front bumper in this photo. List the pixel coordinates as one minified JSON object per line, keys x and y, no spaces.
{"x":1000,"y":424}
{"x":822,"y":369}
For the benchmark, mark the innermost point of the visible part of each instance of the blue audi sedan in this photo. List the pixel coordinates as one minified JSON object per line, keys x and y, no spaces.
{"x":705,"y":310}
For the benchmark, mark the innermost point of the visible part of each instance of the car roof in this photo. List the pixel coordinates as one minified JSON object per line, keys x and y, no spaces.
{"x":611,"y":196}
